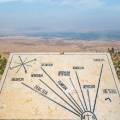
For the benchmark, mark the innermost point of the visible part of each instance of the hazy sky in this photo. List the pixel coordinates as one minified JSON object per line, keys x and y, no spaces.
{"x":59,"y":15}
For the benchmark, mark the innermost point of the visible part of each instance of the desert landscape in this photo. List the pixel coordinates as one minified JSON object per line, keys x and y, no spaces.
{"x":33,"y":44}
{"x":27,"y":44}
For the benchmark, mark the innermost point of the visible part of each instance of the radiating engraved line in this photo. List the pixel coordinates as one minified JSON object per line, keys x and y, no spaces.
{"x":81,"y":90}
{"x":19,"y":69}
{"x":76,"y":103}
{"x":51,"y":100}
{"x":58,"y":95}
{"x":98,"y":88}
{"x":77,"y":94}
{"x":89,"y":99}
{"x":20,"y":66}
{"x":23,"y":64}
{"x":58,"y":86}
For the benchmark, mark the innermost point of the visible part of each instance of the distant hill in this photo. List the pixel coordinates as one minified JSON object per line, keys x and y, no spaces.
{"x":106,"y":35}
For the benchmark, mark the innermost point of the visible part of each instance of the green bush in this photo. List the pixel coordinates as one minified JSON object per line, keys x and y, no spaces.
{"x":116,"y":60}
{"x":3,"y":62}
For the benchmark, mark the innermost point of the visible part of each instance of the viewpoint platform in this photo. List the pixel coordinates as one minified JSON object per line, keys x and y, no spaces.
{"x":54,"y":86}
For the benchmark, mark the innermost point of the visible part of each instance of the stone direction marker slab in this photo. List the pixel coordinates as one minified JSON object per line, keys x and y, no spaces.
{"x":53,"y":86}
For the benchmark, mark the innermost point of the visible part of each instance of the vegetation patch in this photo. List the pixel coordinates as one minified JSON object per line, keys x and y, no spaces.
{"x":3,"y":62}
{"x":115,"y":54}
